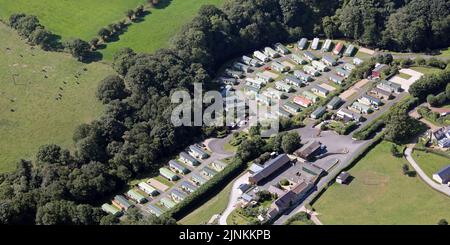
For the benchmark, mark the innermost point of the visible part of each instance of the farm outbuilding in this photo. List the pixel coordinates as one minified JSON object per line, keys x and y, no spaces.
{"x":270,"y":167}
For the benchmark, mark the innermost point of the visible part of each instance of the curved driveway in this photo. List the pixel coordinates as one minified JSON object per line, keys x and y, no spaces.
{"x":439,"y":187}
{"x":234,"y":196}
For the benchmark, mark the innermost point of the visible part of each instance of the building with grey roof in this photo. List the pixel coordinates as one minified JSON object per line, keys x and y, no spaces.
{"x":270,"y":167}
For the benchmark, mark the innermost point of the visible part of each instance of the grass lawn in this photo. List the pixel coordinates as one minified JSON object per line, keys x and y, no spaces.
{"x":426,"y":70}
{"x":158,"y":27}
{"x":404,"y":76}
{"x":445,"y":53}
{"x":164,"y":181}
{"x":71,"y":18}
{"x":430,"y":162}
{"x":229,"y":148}
{"x":381,"y":194}
{"x":237,"y":219}
{"x":215,"y":205}
{"x":30,"y":116}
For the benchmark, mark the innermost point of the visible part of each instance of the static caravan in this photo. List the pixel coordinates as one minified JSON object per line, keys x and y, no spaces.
{"x":328,"y":60}
{"x":273,"y":93}
{"x":265,"y":100}
{"x":297,"y":59}
{"x":218,"y":165}
{"x":349,"y":67}
{"x":311,"y":70}
{"x":361,"y":108}
{"x":347,"y":115}
{"x":277,"y":66}
{"x":334,"y":103}
{"x":198,"y":180}
{"x":338,"y":48}
{"x":315,"y":43}
{"x":196,"y":151}
{"x":188,"y":186}
{"x":282,"y":86}
{"x":168,"y":174}
{"x":319,"y":66}
{"x":320,"y":90}
{"x":148,"y":189}
{"x":369,"y":100}
{"x":327,"y":45}
{"x":166,"y":202}
{"x":318,"y":112}
{"x":155,"y":210}
{"x":247,"y":60}
{"x":302,"y":101}
{"x":291,"y":107}
{"x":257,"y":83}
{"x":292,"y":80}
{"x":260,"y":56}
{"x":178,"y":167}
{"x":336,"y":79}
{"x":251,"y":90}
{"x":177,"y":195}
{"x":350,"y":50}
{"x":188,"y":159}
{"x":389,"y":86}
{"x":264,"y":77}
{"x":302,"y":43}
{"x":271,"y":53}
{"x":302,"y":76}
{"x":228,"y":80}
{"x":281,"y":49}
{"x":242,"y":67}
{"x":357,"y":61}
{"x":282,"y":113}
{"x":122,"y":203}
{"x":341,"y":72}
{"x":309,"y":95}
{"x":209,"y":172}
{"x":234,"y":74}
{"x":136,"y":196}
{"x":309,"y":56}
{"x":108,"y":208}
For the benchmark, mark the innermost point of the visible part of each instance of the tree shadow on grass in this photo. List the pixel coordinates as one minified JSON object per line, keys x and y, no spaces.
{"x":163,"y":4}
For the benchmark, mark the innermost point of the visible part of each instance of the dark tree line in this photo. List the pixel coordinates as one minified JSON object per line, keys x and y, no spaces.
{"x":29,"y":28}
{"x":415,"y":25}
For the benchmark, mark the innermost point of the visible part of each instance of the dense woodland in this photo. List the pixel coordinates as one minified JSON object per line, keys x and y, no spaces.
{"x":134,"y":134}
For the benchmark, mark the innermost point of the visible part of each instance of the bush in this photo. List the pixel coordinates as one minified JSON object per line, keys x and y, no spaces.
{"x":284,"y":182}
{"x":369,"y":130}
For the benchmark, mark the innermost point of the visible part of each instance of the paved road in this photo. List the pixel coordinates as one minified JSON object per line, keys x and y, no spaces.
{"x":439,"y":187}
{"x":234,"y":196}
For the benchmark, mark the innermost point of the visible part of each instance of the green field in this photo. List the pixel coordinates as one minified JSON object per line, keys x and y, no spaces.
{"x":158,"y":27}
{"x":215,"y":205}
{"x":29,"y":114}
{"x":430,"y":162}
{"x":381,"y":194}
{"x":71,"y":18}
{"x":426,"y":70}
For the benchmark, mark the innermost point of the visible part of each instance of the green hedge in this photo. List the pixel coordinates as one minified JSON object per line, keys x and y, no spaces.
{"x":210,"y":188}
{"x":370,"y":129}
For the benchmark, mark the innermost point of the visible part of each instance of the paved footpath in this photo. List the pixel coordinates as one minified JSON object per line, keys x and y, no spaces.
{"x":234,"y":196}
{"x":439,"y":187}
